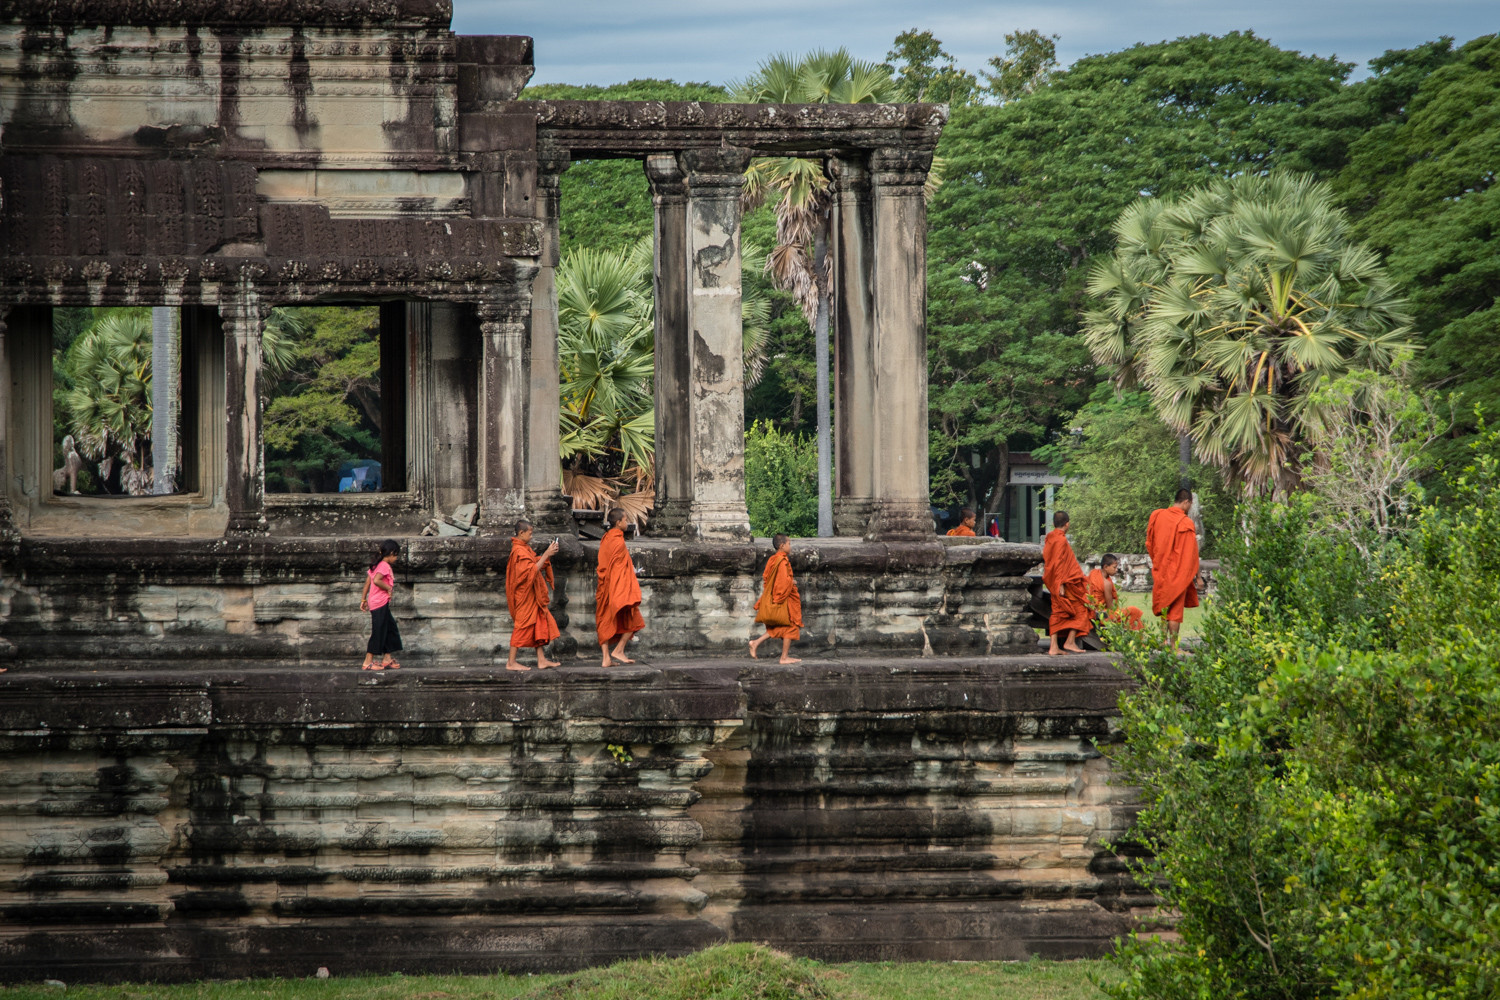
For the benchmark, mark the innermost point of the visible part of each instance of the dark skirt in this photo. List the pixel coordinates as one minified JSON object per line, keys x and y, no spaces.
{"x":384,"y":636}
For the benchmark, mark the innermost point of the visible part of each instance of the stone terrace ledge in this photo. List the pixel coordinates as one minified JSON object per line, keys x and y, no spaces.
{"x":232,"y":821}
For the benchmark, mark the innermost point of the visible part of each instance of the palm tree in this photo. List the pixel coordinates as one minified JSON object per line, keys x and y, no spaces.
{"x":1231,"y":305}
{"x":107,"y":399}
{"x":799,"y":262}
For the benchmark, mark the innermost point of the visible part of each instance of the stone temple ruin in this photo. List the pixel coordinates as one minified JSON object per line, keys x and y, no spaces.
{"x":198,"y":783}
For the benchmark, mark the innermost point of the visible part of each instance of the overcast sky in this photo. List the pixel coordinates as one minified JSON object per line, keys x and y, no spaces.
{"x":612,"y":41}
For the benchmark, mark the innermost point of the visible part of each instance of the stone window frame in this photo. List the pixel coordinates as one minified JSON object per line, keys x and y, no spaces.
{"x":196,"y":510}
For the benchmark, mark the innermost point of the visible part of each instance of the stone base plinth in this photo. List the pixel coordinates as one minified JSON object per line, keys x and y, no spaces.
{"x":228,"y":821}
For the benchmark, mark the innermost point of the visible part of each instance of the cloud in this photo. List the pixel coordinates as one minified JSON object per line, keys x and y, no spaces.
{"x":606,"y":41}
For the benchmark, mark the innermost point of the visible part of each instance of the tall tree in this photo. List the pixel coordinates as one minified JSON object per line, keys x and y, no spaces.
{"x":1425,"y":185}
{"x":1031,"y":189}
{"x":1231,"y":305}
{"x":799,"y":261}
{"x":1030,"y":60}
{"x":924,"y":71}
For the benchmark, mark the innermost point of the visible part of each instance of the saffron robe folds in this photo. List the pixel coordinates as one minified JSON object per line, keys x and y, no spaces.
{"x":617,"y":598}
{"x":1104,"y":601}
{"x":778,"y":587}
{"x":1064,"y":579}
{"x":1172,"y":544}
{"x":528,"y":591}
{"x":962,"y":531}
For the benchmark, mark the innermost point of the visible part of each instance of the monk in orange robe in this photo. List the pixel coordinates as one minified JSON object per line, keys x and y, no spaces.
{"x":528,"y":591}
{"x":1064,"y":579}
{"x":1172,"y":544}
{"x":617,"y":599}
{"x":778,"y":587}
{"x":965,"y":527}
{"x":1104,"y":600}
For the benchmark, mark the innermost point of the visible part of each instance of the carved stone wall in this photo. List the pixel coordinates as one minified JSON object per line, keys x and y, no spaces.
{"x":262,"y":821}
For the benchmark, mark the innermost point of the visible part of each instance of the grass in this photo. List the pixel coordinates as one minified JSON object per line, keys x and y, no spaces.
{"x":726,"y":972}
{"x":1190,"y":616}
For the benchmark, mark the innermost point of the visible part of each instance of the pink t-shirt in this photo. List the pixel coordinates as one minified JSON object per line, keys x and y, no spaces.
{"x":380,"y":598}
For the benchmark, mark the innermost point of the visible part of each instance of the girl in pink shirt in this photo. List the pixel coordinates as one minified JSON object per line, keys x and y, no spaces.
{"x":385,"y":638}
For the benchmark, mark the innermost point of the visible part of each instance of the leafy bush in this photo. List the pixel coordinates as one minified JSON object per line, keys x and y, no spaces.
{"x":781,"y":481}
{"x":1322,"y":780}
{"x":1125,"y":466}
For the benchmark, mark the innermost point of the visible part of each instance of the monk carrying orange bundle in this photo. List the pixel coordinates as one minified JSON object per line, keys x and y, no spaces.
{"x":780,"y":604}
{"x":1064,"y":579}
{"x":965,"y":527}
{"x":528,"y":591}
{"x":1172,"y":544}
{"x":1104,"y":600}
{"x":617,"y":599}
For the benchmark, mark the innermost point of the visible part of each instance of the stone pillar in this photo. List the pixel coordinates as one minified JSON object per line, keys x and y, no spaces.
{"x":855,"y":412}
{"x":7,"y":514}
{"x":674,"y":464}
{"x":504,"y":391}
{"x":544,"y":499}
{"x":716,"y":386}
{"x":243,"y":316}
{"x":899,"y":276}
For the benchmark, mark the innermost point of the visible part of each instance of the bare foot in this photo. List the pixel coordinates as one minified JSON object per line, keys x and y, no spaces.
{"x":622,"y":658}
{"x":542,"y":664}
{"x":1070,"y":648}
{"x":789,"y":659}
{"x":516,"y":666}
{"x":754,"y":645}
{"x":1055,"y":651}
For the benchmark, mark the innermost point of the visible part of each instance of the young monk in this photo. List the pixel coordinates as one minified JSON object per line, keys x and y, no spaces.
{"x":617,"y":599}
{"x":1172,"y":544}
{"x":528,"y":591}
{"x":1064,"y":579}
{"x":965,"y":527}
{"x":778,"y":587}
{"x":1104,"y":600}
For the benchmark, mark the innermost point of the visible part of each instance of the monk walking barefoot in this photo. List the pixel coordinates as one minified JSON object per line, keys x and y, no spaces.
{"x":780,"y":605}
{"x":617,"y":600}
{"x":528,"y":591}
{"x":1064,"y":579}
{"x":1172,"y":544}
{"x":1104,"y":599}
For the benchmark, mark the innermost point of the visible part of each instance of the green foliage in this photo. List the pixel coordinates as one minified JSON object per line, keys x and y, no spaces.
{"x":1322,"y":779}
{"x":781,"y":482}
{"x":1124,"y":465}
{"x":321,"y":389}
{"x":924,"y":71}
{"x":1231,"y":305}
{"x":1030,"y":191}
{"x":102,"y":396}
{"x":1425,"y":186}
{"x":1030,"y":60}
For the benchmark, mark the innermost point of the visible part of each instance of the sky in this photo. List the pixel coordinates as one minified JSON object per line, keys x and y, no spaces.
{"x":715,"y":41}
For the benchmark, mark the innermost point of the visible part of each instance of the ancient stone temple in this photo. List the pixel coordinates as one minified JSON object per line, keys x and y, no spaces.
{"x":198,"y":781}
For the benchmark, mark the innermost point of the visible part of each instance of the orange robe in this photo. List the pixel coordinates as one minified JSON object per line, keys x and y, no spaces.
{"x":1061,"y":573}
{"x":617,"y":599}
{"x":527,"y":593}
{"x":1172,"y":544}
{"x":1104,"y":600}
{"x":962,"y":531}
{"x":777,"y":582}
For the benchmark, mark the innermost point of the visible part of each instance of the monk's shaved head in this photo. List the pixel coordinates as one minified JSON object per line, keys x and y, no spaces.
{"x":523,"y":526}
{"x":615,"y":516}
{"x":777,"y":541}
{"x":1060,"y":519}
{"x":1184,"y":495}
{"x":1110,"y":559}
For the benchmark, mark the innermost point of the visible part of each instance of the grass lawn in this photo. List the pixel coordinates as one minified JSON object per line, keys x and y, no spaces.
{"x":727,"y":972}
{"x":1190,"y":616}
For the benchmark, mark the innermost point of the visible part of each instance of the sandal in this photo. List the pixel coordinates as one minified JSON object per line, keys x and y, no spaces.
{"x":390,"y":665}
{"x":372,"y":666}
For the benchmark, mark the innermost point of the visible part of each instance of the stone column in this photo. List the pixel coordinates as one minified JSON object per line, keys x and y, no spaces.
{"x":674,"y":436}
{"x":549,"y":511}
{"x":504,"y":391}
{"x":7,"y":514}
{"x":899,"y":276}
{"x":716,"y":386}
{"x":855,"y":412}
{"x":243,"y":316}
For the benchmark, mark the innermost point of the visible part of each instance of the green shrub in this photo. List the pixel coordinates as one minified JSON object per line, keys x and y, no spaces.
{"x":781,"y":481}
{"x":1322,"y":779}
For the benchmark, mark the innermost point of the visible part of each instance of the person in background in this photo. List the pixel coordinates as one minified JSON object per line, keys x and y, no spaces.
{"x":780,"y":605}
{"x":1172,"y":544}
{"x":1064,"y":579}
{"x":965,"y":527}
{"x":528,"y":591}
{"x":617,"y":599}
{"x":380,"y":581}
